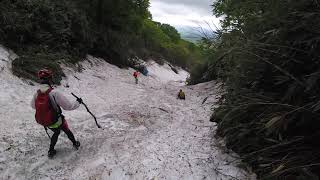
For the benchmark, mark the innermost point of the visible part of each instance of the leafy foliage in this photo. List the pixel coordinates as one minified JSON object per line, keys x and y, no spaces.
{"x":48,"y":24}
{"x":268,"y":56}
{"x":28,"y":65}
{"x":164,"y":42}
{"x":116,"y":30}
{"x":170,"y":31}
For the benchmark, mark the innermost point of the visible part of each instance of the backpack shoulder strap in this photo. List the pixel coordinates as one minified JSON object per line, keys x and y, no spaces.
{"x":47,"y":92}
{"x":54,"y":103}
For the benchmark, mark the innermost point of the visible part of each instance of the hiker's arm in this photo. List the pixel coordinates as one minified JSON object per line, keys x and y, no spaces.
{"x":63,"y":102}
{"x":33,"y":101}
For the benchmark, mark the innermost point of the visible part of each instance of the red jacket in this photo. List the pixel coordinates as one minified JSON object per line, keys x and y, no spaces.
{"x":135,"y":74}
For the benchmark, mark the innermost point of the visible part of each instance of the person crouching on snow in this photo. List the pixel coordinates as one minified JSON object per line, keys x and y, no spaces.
{"x":181,"y":95}
{"x":47,"y":102}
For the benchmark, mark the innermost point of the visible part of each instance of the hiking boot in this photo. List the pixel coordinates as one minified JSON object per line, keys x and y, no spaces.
{"x":76,"y":145}
{"x":51,"y":153}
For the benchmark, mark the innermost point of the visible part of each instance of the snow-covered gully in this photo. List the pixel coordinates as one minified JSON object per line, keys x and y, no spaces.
{"x":147,"y":133}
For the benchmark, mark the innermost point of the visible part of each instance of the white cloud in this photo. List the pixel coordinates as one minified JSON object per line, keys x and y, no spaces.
{"x":179,"y":13}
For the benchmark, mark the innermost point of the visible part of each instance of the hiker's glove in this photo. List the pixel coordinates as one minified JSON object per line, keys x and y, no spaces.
{"x":79,"y":100}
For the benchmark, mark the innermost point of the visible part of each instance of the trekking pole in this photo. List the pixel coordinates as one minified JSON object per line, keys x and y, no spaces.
{"x":95,"y":119}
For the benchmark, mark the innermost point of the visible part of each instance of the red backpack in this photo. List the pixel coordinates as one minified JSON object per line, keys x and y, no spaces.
{"x":46,"y":115}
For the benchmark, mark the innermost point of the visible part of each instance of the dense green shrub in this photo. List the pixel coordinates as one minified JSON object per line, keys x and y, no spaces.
{"x":52,"y":25}
{"x":200,"y":74}
{"x":164,"y":42}
{"x":116,"y":30}
{"x":268,"y":57}
{"x":43,"y":33}
{"x":28,"y":65}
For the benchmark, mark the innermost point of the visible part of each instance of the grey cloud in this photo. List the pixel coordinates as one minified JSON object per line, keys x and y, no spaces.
{"x":196,"y":4}
{"x":167,"y":9}
{"x":202,"y":7}
{"x":181,"y":12}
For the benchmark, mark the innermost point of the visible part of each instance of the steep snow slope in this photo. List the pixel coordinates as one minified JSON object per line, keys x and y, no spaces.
{"x":165,"y":74}
{"x":147,"y":133}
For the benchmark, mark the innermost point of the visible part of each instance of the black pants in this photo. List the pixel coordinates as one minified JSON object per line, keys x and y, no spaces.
{"x":56,"y":133}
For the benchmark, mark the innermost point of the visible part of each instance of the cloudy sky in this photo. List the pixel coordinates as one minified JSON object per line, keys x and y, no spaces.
{"x":183,"y":13}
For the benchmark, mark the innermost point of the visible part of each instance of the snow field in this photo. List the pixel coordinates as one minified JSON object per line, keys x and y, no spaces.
{"x":147,"y":133}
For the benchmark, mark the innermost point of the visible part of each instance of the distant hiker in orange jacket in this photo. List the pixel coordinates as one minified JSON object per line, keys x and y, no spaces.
{"x":47,"y":103}
{"x":135,"y":75}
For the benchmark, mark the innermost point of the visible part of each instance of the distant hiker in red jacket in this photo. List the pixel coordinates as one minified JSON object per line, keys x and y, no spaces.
{"x":135,"y":75}
{"x":47,"y":103}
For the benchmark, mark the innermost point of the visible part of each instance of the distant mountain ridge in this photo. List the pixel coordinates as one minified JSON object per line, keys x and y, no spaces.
{"x":193,"y":34}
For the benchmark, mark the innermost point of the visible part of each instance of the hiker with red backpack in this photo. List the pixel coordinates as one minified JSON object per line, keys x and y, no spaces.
{"x":48,"y":103}
{"x":135,"y":75}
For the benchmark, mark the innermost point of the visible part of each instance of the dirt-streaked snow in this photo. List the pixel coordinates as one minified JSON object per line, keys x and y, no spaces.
{"x":147,"y":133}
